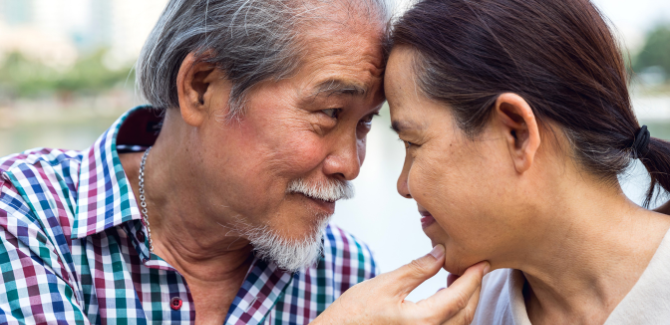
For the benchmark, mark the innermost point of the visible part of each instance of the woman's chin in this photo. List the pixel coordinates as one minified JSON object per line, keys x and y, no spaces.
{"x":452,"y":264}
{"x":436,"y":234}
{"x":458,"y":264}
{"x":454,"y":269}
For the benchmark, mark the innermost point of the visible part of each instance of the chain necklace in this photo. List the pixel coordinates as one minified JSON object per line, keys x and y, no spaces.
{"x":143,"y":202}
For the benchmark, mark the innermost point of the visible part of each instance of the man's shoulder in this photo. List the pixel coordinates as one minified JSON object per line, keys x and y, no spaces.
{"x":40,"y":158}
{"x":37,"y":198}
{"x":38,"y":184}
{"x":41,"y":166}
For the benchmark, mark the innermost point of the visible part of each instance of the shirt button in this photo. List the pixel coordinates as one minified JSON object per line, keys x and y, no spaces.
{"x":175,"y":303}
{"x":140,"y":236}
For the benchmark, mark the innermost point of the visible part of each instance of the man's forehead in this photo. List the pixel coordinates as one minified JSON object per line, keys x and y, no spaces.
{"x":346,"y":62}
{"x":349,"y":42}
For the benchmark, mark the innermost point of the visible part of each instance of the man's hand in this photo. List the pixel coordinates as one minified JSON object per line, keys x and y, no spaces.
{"x":382,"y":300}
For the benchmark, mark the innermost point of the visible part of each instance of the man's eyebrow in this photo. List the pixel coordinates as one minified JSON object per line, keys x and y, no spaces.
{"x":339,"y":87}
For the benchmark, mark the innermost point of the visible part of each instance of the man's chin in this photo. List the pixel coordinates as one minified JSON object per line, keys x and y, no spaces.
{"x":290,"y":254}
{"x":294,"y":258}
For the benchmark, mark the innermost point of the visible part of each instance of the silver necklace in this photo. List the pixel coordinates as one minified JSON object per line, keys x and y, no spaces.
{"x":143,"y":202}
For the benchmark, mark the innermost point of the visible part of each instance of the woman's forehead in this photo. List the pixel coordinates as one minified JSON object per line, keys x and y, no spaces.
{"x":400,"y":84}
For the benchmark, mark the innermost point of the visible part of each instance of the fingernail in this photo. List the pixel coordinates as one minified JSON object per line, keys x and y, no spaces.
{"x":437,"y":252}
{"x":487,"y":268}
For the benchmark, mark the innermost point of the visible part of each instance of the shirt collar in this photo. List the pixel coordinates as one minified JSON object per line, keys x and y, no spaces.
{"x":104,"y":196}
{"x":263,"y":286}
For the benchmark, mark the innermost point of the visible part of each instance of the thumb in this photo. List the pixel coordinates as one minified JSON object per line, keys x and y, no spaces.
{"x":462,"y":294}
{"x":410,"y":276}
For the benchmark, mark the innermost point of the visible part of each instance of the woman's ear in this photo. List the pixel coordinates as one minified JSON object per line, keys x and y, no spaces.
{"x":197,"y":81}
{"x":520,"y":130}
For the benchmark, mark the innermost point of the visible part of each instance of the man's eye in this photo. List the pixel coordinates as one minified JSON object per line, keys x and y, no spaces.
{"x":331,"y":112}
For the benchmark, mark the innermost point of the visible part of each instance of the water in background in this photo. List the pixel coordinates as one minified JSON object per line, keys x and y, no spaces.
{"x":388,"y":223}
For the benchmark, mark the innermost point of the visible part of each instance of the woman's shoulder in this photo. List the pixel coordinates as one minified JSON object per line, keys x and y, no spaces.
{"x":501,"y":299}
{"x":648,"y":302}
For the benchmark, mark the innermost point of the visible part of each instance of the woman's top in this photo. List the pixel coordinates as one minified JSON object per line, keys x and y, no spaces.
{"x":502,"y":303}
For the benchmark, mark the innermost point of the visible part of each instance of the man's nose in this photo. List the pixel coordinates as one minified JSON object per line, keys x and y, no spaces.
{"x":345,"y":161}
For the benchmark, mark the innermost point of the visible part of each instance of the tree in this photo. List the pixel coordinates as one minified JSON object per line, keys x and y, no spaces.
{"x":22,"y":77}
{"x":656,"y":50}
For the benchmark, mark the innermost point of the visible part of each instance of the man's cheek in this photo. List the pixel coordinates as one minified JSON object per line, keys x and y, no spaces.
{"x":306,"y":154}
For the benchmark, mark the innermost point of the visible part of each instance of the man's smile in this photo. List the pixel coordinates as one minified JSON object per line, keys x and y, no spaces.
{"x":326,"y":206}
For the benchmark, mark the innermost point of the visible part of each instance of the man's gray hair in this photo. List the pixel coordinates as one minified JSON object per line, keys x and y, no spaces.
{"x":250,"y":40}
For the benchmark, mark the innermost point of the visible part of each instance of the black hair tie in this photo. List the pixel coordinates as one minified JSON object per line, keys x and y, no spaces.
{"x":640,"y":144}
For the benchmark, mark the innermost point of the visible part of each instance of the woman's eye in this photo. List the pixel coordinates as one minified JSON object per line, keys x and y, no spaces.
{"x":331,"y":112}
{"x":409,"y":144}
{"x":367,"y":121}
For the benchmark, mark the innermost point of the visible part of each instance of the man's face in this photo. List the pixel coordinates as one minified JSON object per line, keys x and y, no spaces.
{"x":310,"y":128}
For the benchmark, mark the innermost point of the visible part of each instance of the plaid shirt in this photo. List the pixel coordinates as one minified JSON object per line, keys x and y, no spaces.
{"x":73,"y":249}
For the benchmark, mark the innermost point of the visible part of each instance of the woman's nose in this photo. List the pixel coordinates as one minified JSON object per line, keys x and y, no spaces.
{"x":403,"y":186}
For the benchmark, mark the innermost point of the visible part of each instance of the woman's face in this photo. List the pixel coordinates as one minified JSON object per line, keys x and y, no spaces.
{"x":465,"y":188}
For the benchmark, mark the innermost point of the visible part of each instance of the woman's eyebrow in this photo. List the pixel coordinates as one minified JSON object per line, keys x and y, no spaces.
{"x":402,"y":126}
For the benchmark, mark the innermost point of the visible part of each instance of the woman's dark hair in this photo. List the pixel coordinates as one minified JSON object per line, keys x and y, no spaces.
{"x":559,"y":55}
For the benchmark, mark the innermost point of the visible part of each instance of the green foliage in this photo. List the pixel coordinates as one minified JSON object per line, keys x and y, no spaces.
{"x":656,"y":51}
{"x":22,"y":77}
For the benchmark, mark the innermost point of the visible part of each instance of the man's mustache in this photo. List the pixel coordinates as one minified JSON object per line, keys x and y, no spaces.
{"x":329,"y":190}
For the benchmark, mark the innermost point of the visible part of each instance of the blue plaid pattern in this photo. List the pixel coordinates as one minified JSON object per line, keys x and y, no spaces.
{"x":69,"y":252}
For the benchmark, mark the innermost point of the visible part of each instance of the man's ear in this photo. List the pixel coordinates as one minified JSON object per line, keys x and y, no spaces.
{"x":197,"y":80}
{"x":521,"y":132}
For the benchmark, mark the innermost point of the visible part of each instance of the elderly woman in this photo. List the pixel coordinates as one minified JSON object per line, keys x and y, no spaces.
{"x":517,"y":120}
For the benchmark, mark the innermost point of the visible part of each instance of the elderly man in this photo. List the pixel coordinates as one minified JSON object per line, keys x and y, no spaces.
{"x":212,"y":198}
{"x":212,"y":204}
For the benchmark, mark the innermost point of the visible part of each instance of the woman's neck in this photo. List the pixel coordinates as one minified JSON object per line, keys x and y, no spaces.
{"x":590,"y":255}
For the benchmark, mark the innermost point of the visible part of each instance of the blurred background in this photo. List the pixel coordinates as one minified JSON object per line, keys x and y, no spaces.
{"x":66,"y":74}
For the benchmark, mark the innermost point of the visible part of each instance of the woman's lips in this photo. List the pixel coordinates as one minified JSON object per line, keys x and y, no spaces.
{"x":426,"y":219}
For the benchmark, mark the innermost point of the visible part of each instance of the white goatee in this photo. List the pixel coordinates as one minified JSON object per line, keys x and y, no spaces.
{"x":292,"y":255}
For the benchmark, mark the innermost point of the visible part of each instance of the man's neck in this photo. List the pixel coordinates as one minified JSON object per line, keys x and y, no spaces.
{"x":585,"y":262}
{"x":212,"y":259}
{"x":184,"y":236}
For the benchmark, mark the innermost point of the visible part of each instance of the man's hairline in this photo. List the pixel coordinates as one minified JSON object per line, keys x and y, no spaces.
{"x":237,"y":104}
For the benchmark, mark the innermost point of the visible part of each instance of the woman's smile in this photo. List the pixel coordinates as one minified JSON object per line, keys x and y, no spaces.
{"x":426,"y":218}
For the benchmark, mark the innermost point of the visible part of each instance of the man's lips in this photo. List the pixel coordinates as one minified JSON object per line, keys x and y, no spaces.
{"x":426,"y":219}
{"x":327,"y":206}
